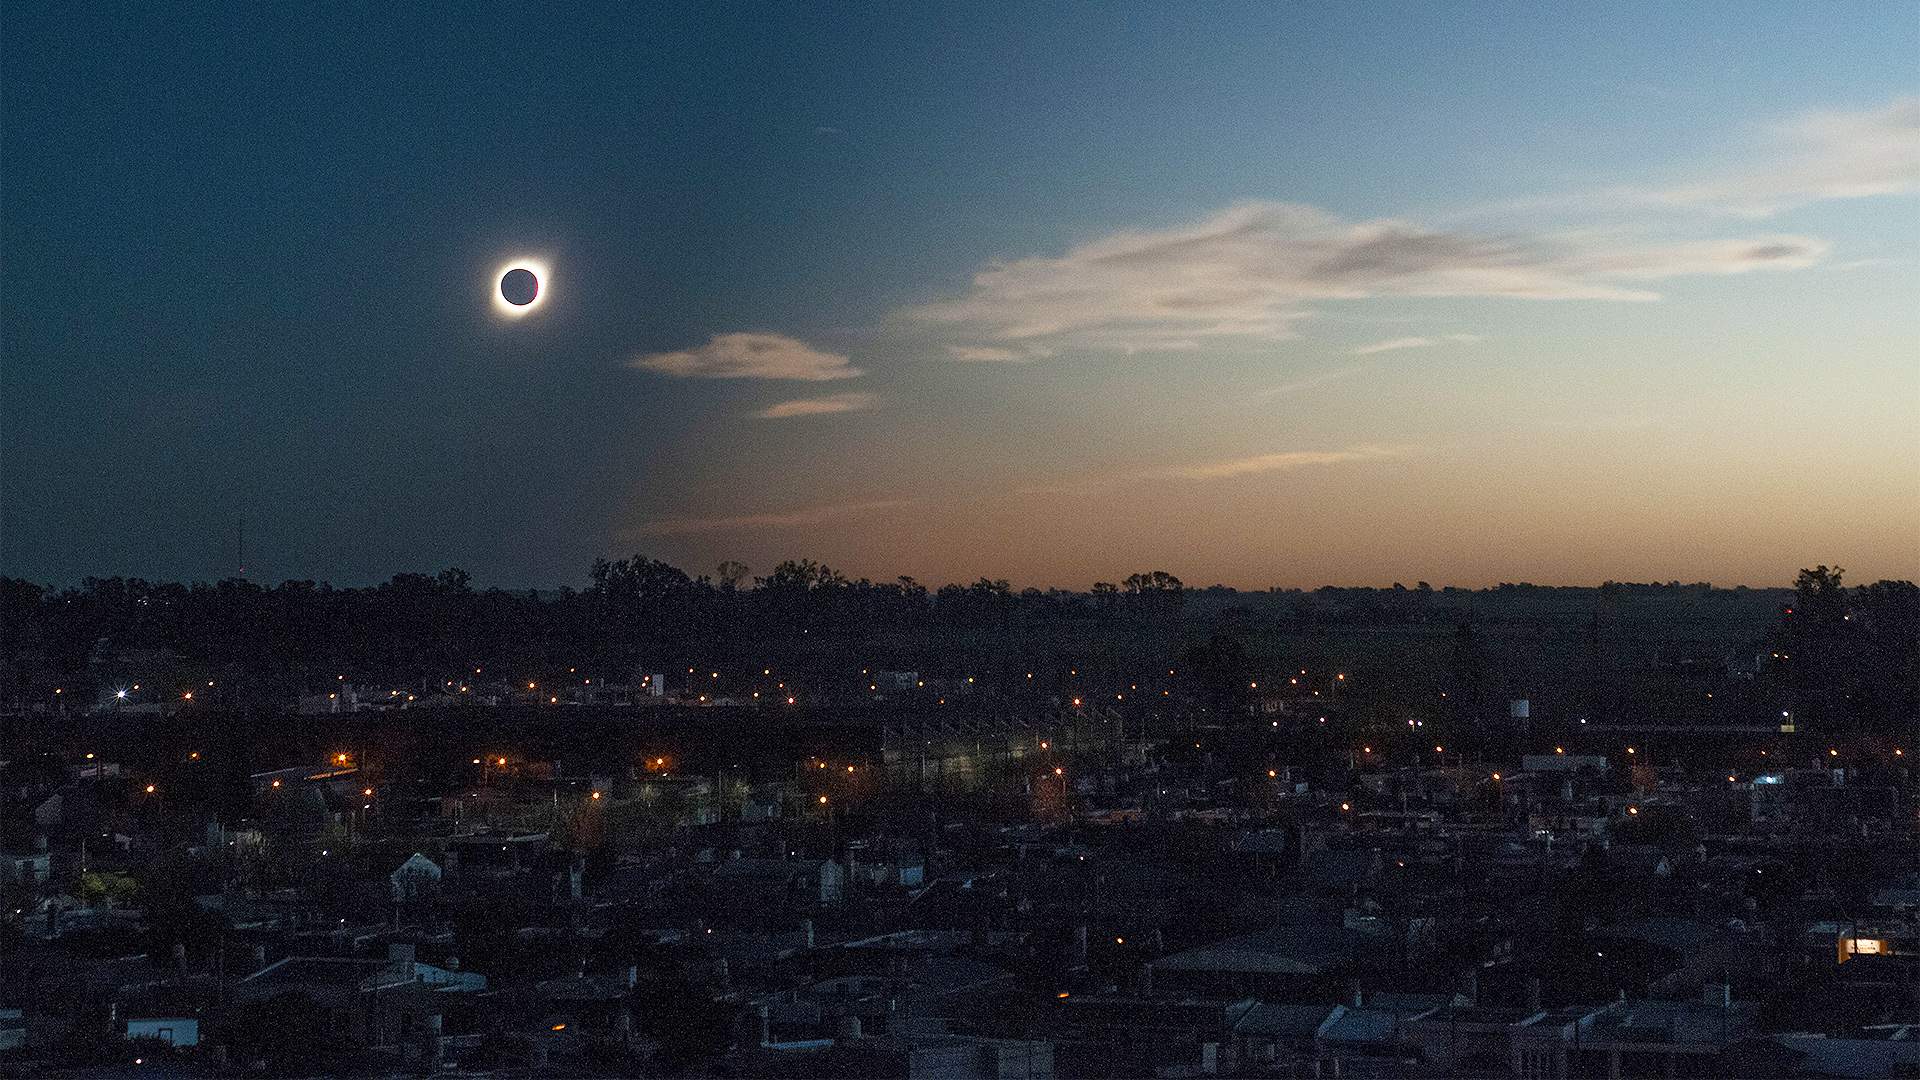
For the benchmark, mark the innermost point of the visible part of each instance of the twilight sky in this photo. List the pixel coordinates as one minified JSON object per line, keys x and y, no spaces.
{"x":1265,"y":294}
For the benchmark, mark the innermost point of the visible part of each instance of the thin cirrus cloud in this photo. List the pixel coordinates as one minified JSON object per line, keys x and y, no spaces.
{"x":1809,"y":158}
{"x":998,"y":354}
{"x":751,"y":356}
{"x":1254,"y":270}
{"x":1395,"y":344}
{"x":1814,"y":157}
{"x":819,"y":406}
{"x":1285,"y":461}
{"x":778,"y":519}
{"x":1224,"y":469}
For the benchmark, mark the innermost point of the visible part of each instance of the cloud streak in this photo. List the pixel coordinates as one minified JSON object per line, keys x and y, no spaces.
{"x":781,"y":519}
{"x":751,"y":356}
{"x":998,"y":354}
{"x":1225,"y":469}
{"x":1814,"y":157}
{"x":1309,"y":382}
{"x":1252,"y":271}
{"x":1285,"y":461}
{"x":818,"y":406}
{"x":1394,"y":345}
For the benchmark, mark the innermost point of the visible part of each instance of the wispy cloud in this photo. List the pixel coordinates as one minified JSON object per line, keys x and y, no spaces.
{"x":998,"y":354}
{"x":1604,"y":422}
{"x":1285,"y":461}
{"x":1809,"y":158}
{"x":751,"y":356}
{"x":1308,"y":382}
{"x":1229,"y":468}
{"x":818,"y":406}
{"x":780,"y":519}
{"x":1817,"y":156}
{"x":1252,"y":271}
{"x":1395,"y":344}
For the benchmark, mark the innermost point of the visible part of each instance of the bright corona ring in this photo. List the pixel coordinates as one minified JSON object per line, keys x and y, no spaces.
{"x":519,"y":287}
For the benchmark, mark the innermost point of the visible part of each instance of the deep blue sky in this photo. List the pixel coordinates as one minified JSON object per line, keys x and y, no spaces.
{"x":245,"y":254}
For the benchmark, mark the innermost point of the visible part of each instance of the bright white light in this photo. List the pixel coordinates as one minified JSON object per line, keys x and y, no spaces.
{"x":542,"y":282}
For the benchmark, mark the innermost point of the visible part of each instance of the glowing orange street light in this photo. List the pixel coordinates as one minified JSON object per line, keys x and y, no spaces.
{"x":596,"y":795}
{"x":276,"y":783}
{"x":149,"y":789}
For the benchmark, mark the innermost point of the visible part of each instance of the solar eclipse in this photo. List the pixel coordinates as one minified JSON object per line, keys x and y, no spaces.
{"x":519,"y":288}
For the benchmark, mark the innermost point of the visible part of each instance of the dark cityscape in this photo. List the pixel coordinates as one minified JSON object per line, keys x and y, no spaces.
{"x":801,"y":825}
{"x":1342,"y":541}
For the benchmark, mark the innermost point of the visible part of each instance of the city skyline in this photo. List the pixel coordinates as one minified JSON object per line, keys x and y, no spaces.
{"x":1290,"y":296}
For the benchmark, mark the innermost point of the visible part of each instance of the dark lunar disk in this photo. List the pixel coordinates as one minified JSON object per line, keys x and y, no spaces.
{"x":519,"y":287}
